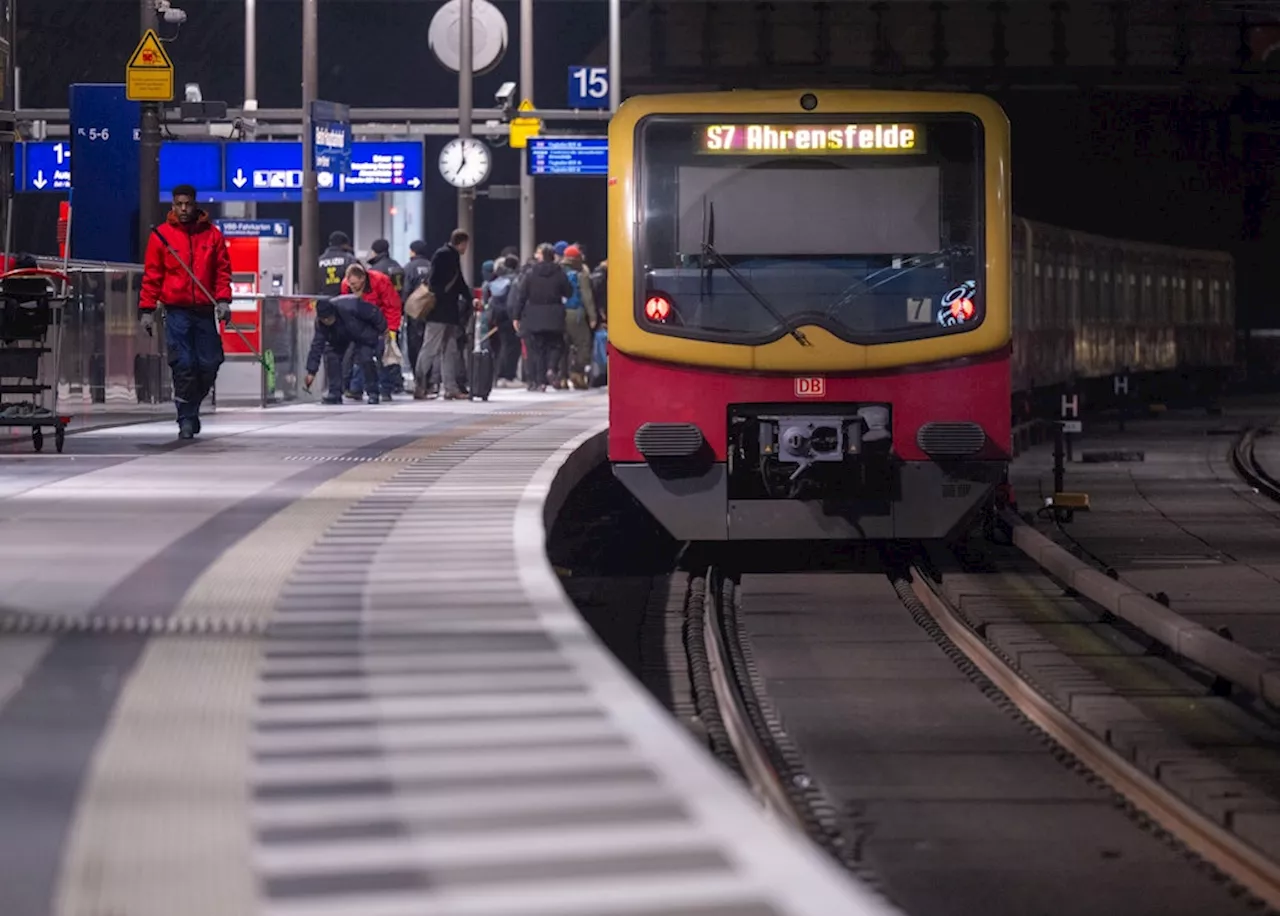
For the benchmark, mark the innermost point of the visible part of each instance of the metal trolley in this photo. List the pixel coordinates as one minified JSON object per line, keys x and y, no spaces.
{"x":32,"y":302}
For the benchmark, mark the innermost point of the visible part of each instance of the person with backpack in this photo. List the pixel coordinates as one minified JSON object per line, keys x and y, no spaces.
{"x":504,"y":342}
{"x":580,"y":316}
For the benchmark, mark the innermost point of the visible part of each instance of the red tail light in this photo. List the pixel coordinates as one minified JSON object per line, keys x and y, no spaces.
{"x":657,"y":308}
{"x":962,"y":309}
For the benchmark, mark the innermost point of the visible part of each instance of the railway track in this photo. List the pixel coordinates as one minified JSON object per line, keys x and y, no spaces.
{"x":865,"y":707}
{"x":959,"y":732}
{"x":1245,"y":463}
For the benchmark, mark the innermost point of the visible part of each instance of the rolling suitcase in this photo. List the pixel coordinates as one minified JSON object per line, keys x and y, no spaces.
{"x":480,"y":373}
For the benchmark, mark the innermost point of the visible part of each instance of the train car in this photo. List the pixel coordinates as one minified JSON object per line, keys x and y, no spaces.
{"x":1087,"y":307}
{"x":809,"y":311}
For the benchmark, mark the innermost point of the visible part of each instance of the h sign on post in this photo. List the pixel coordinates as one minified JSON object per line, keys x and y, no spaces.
{"x":588,"y":87}
{"x":1121,"y":384}
{"x":1071,"y":406}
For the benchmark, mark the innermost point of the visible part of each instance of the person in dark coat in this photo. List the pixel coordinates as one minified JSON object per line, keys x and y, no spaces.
{"x":538,"y":315}
{"x":380,"y":260}
{"x":334,"y":262}
{"x":416,"y":273}
{"x":345,"y":323}
{"x":440,"y":358}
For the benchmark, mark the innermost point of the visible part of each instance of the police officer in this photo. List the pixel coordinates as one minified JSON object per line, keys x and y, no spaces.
{"x":380,"y":260}
{"x":334,"y":263}
{"x":345,"y":325}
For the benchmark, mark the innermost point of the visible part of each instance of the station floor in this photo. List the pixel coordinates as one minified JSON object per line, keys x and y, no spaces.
{"x":316,"y":662}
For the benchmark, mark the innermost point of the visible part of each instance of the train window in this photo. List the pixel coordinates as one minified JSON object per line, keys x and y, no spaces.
{"x":868,"y":230}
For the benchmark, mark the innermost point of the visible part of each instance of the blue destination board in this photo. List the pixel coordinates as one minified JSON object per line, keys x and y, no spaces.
{"x":44,"y":168}
{"x":240,"y":171}
{"x":569,"y":156}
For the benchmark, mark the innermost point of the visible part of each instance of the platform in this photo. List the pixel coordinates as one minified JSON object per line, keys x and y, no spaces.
{"x":1180,"y":522}
{"x":368,"y":693}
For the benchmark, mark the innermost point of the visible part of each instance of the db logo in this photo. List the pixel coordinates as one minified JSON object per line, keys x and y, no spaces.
{"x":815,"y":387}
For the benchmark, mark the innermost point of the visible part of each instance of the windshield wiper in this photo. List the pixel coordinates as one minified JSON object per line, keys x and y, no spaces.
{"x":709,"y":248}
{"x":916,"y":262}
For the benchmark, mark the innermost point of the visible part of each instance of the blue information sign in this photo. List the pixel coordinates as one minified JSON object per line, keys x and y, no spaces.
{"x":588,"y":87}
{"x":254,"y":228}
{"x":385,"y":167}
{"x":196,"y":164}
{"x":104,"y":148}
{"x":568,"y":156}
{"x":331,"y":136}
{"x":258,"y":167}
{"x":44,"y":168}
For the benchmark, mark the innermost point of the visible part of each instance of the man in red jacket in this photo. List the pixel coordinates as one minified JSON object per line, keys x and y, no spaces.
{"x":377,"y":288}
{"x":188,"y":271}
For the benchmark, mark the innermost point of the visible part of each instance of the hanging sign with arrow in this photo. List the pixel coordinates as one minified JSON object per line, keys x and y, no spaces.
{"x":46,"y":167}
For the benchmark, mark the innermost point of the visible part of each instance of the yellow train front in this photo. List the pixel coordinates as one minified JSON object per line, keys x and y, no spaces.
{"x":809,"y":311}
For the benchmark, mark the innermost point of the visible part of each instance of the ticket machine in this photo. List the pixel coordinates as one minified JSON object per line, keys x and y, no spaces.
{"x":261,"y":266}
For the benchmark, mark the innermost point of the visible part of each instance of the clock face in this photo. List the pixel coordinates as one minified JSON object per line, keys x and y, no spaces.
{"x":464,"y":162}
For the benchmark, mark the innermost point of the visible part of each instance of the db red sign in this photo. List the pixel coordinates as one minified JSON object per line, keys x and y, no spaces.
{"x":815,"y":387}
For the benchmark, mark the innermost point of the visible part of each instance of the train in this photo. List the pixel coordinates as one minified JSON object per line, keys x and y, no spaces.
{"x":812,"y":322}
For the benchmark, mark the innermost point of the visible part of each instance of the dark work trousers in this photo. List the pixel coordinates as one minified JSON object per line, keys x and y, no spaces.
{"x":195,"y":353}
{"x":353,"y":373}
{"x":356,"y":354}
{"x":545,"y":348}
{"x":417,"y":331}
{"x":506,"y":344}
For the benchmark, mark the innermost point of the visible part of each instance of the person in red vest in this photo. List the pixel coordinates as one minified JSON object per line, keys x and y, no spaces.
{"x":188,"y":271}
{"x":376,"y":287}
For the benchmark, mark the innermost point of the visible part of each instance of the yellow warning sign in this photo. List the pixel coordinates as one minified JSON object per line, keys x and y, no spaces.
{"x":149,"y":74}
{"x":523,"y":128}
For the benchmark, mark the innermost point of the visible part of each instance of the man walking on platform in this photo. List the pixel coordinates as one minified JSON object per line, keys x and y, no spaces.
{"x":188,"y":271}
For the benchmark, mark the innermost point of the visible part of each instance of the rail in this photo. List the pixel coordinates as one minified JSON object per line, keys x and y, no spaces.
{"x":1211,"y":841}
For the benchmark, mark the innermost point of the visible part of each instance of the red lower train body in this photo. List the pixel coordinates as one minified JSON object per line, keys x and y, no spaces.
{"x":910,"y":453}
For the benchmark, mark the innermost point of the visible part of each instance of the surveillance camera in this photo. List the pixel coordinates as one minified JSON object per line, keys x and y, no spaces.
{"x":169,"y":13}
{"x":506,"y":92}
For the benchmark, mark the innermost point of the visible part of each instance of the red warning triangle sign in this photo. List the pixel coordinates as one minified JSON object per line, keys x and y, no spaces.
{"x":150,"y":54}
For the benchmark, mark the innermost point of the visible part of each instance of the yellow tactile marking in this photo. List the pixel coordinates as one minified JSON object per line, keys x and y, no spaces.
{"x":163,"y":823}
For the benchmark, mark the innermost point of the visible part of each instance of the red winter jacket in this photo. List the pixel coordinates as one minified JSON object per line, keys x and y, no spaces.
{"x":202,"y":248}
{"x":382,"y":293}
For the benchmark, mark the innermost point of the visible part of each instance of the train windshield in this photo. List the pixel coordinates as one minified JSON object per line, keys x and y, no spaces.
{"x":869,"y":228}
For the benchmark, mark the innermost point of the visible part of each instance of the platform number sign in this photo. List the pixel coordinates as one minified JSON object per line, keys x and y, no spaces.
{"x":588,"y":87}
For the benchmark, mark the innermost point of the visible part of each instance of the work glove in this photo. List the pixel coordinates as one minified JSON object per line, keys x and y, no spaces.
{"x":148,"y":322}
{"x":222,"y":311}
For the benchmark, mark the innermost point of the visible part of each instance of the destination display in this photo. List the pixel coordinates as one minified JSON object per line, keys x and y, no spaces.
{"x":568,"y":156}
{"x":811,"y":139}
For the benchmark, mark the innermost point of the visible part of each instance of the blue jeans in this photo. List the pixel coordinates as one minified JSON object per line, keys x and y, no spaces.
{"x":195,"y":353}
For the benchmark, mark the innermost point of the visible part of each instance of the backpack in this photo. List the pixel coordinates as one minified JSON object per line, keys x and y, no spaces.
{"x":575,"y":300}
{"x":499,"y":293}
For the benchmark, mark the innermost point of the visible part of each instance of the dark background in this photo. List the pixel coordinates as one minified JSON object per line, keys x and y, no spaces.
{"x":1160,"y":166}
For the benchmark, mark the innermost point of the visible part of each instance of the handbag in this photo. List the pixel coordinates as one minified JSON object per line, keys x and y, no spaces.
{"x":420,"y":302}
{"x":391,"y":355}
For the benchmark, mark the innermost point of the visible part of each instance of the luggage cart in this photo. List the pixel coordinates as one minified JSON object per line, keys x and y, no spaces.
{"x":32,"y":302}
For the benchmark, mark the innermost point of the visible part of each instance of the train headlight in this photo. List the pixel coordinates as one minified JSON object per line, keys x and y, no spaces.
{"x":657,"y":308}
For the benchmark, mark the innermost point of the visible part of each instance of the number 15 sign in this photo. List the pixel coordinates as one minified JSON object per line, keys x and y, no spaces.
{"x":588,"y":87}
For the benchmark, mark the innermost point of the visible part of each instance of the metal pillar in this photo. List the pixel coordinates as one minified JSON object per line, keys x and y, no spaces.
{"x":466,"y":91}
{"x":248,"y":124}
{"x":309,"y":252}
{"x":527,"y":199}
{"x":615,"y":54}
{"x":148,"y":151}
